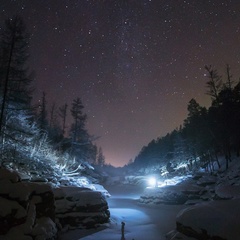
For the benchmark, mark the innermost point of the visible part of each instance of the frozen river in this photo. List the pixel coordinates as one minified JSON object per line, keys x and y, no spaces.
{"x":141,"y":221}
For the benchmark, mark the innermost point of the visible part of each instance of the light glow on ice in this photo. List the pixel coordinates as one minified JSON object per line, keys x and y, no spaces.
{"x":153,"y":182}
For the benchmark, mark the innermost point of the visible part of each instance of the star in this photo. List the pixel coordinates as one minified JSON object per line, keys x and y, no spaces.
{"x":135,"y":63}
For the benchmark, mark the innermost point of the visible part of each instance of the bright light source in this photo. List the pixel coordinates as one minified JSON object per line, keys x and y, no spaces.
{"x":152,"y":182}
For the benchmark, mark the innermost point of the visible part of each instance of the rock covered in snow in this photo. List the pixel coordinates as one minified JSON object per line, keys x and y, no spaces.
{"x":169,"y":195}
{"x":207,"y":180}
{"x":9,"y":175}
{"x":24,"y":208}
{"x":80,"y":207}
{"x":194,"y":190}
{"x":175,"y":235}
{"x":227,"y":191}
{"x":43,"y":229}
{"x":210,"y":220}
{"x":100,"y":188}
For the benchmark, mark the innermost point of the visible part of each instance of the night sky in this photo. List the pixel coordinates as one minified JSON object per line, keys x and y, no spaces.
{"x":134,"y":63}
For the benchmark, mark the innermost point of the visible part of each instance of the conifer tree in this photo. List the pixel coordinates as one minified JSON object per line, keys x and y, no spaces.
{"x":14,"y":75}
{"x":100,"y":158}
{"x":81,"y":144}
{"x":214,"y":84}
{"x":55,"y":131}
{"x":15,"y":80}
{"x":78,"y":131}
{"x":63,"y":116}
{"x":16,"y":116}
{"x":42,"y":118}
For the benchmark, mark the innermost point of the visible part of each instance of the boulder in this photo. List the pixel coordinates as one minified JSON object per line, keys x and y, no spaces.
{"x":167,"y":195}
{"x":227,"y":191}
{"x":25,"y":208}
{"x":207,"y":180}
{"x":80,"y":208}
{"x":215,"y":220}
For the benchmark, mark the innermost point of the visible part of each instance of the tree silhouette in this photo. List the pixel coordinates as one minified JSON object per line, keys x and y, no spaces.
{"x":100,"y":158}
{"x":63,"y":116}
{"x":15,"y":80}
{"x":42,"y":116}
{"x":81,"y":142}
{"x":214,"y":84}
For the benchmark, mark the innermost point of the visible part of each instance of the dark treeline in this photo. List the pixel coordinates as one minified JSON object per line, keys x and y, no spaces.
{"x":206,"y":133}
{"x":40,"y":133}
{"x":74,"y":139}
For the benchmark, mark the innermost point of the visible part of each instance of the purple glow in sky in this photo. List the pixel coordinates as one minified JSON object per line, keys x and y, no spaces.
{"x":134,"y":63}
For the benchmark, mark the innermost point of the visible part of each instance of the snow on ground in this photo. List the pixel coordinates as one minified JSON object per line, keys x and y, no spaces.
{"x":133,"y":219}
{"x":142,"y":221}
{"x":23,"y":211}
{"x":213,"y":219}
{"x":219,"y":217}
{"x":228,"y":191}
{"x":173,"y":181}
{"x":209,"y":218}
{"x":79,"y":207}
{"x":83,"y":196}
{"x":100,"y":188}
{"x":34,"y":210}
{"x":153,"y":222}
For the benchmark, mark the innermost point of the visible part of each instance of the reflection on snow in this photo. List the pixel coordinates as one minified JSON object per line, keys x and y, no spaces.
{"x":128,"y":215}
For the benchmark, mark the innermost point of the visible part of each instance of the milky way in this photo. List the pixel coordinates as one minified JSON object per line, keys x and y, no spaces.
{"x":135,"y":63}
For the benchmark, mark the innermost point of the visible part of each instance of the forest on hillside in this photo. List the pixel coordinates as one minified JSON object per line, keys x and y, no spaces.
{"x":34,"y":138}
{"x":205,"y":134}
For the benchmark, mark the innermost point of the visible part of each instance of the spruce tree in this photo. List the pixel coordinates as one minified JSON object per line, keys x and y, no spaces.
{"x":14,"y":77}
{"x":100,"y":158}
{"x":42,"y":116}
{"x":15,"y":80}
{"x":214,"y":84}
{"x":63,"y":116}
{"x":81,"y":142}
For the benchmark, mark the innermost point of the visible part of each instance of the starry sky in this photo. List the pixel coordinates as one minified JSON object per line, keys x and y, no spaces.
{"x":134,"y":63}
